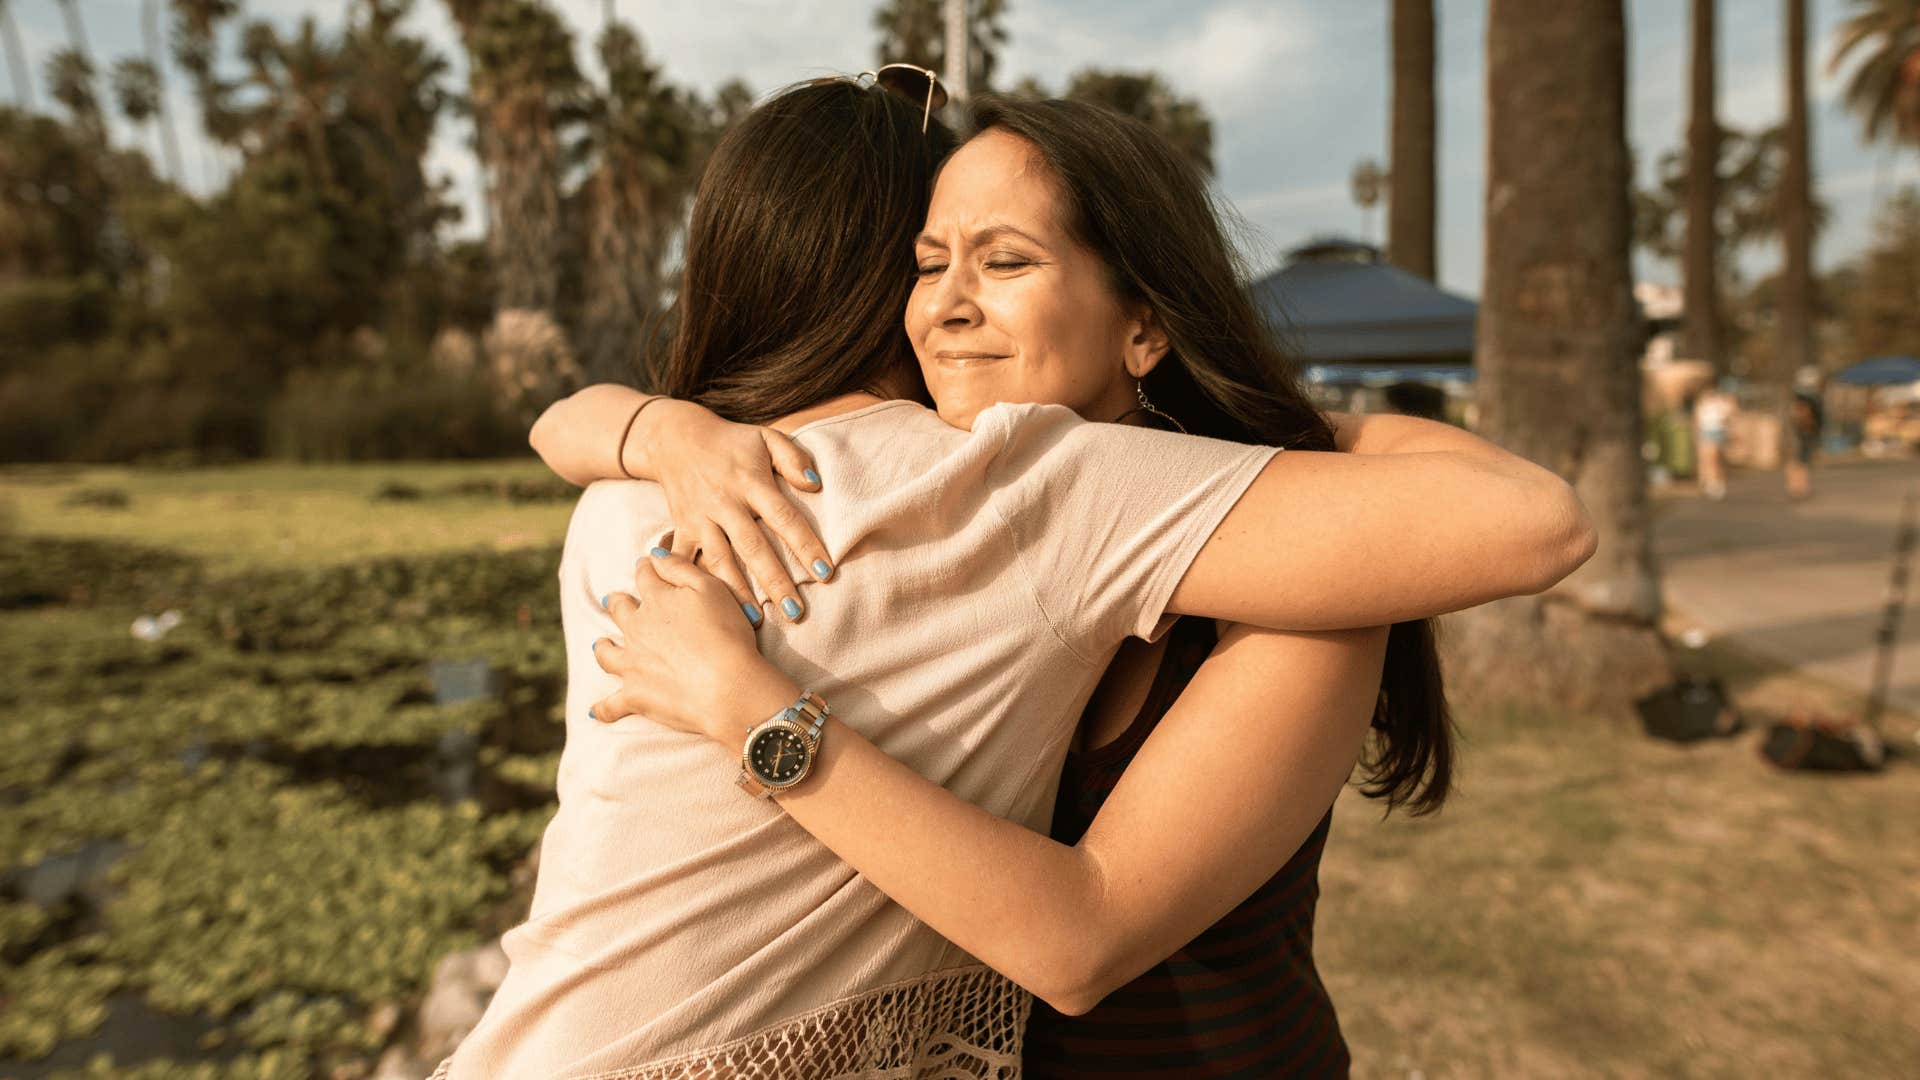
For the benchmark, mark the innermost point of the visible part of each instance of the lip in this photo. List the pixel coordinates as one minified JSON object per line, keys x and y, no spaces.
{"x":957,"y":358}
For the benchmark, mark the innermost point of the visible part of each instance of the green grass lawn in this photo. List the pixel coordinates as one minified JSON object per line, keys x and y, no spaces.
{"x":1592,"y":903}
{"x":266,"y":516}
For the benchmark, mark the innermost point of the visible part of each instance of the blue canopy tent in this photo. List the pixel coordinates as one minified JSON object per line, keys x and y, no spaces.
{"x":1881,"y":371}
{"x":1357,"y":320}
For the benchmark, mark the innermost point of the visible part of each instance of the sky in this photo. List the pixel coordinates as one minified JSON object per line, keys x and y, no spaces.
{"x":1298,"y":91}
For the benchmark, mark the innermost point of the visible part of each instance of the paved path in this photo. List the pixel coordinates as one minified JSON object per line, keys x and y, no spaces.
{"x":1803,"y":583}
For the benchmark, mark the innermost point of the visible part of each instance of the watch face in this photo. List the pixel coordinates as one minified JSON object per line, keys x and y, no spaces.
{"x":777,"y":756}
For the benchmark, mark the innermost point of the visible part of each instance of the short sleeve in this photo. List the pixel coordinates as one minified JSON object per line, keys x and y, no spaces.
{"x":1107,"y":518}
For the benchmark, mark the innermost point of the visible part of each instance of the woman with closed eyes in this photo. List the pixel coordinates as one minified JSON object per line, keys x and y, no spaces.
{"x":1001,"y":577}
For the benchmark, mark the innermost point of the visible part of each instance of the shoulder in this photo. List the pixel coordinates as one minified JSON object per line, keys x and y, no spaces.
{"x":1053,"y":439}
{"x":613,"y":521}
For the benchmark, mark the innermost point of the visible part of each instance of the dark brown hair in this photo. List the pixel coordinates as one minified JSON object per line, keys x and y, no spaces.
{"x":1144,"y":209}
{"x":799,"y":254}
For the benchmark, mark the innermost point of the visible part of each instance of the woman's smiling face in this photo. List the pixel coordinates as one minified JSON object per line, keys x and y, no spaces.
{"x":1007,"y":306}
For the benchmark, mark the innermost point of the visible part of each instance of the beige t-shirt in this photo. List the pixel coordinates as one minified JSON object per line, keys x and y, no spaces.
{"x":984,"y":579}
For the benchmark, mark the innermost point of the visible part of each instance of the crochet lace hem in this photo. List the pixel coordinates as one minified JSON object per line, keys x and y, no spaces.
{"x":964,"y":1023}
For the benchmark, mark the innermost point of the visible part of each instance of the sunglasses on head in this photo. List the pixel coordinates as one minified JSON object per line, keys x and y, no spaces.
{"x":910,"y":81}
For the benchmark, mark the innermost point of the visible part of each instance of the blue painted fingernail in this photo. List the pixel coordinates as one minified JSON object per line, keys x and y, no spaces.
{"x":791,"y":607}
{"x":812,"y":477}
{"x":590,"y":715}
{"x":661,"y":553}
{"x":753,"y":613}
{"x":604,"y":599}
{"x":822,"y":569}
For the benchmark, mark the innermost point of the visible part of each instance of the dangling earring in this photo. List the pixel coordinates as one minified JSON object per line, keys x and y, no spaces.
{"x":1147,"y":406}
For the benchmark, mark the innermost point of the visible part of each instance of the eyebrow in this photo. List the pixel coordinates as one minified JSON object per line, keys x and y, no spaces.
{"x":984,"y":236}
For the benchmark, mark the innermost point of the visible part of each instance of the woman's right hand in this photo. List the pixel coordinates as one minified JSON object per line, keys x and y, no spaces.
{"x":719,"y":481}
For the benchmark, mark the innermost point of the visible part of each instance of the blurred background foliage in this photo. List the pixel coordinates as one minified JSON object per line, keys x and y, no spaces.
{"x":319,"y":304}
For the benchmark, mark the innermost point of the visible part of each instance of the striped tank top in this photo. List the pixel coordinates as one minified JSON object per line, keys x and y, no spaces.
{"x":1241,"y":1000}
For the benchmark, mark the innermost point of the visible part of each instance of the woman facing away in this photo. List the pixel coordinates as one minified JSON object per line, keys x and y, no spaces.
{"x":988,"y":573}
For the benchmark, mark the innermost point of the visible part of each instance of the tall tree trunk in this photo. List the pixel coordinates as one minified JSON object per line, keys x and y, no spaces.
{"x":523,"y":196}
{"x":622,"y":283}
{"x":150,"y":22}
{"x":958,"y":53}
{"x":1411,"y":214}
{"x":16,"y":59}
{"x":519,"y":150}
{"x":1796,"y":211}
{"x":1558,"y":339}
{"x":1701,"y":337}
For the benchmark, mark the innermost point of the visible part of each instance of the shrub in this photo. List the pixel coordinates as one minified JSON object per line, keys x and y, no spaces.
{"x":373,"y":416}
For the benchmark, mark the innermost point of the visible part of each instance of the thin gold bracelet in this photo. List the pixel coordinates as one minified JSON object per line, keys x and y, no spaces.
{"x":620,"y":450}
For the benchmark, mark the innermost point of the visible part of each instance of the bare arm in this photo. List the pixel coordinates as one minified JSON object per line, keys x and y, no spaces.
{"x":578,"y":437}
{"x":1231,"y":782}
{"x":1419,"y":519}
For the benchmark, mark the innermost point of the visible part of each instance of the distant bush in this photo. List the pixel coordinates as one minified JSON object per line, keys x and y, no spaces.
{"x":38,"y":312}
{"x":374,"y":416}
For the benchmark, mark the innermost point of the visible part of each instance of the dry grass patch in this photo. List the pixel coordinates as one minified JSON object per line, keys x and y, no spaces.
{"x":1595,"y":903}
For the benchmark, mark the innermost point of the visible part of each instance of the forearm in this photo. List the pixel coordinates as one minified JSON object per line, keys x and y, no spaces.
{"x":1322,"y":541}
{"x":579,"y":436}
{"x":1020,"y":902}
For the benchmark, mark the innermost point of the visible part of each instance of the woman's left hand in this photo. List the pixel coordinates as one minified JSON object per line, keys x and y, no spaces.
{"x":688,"y":659}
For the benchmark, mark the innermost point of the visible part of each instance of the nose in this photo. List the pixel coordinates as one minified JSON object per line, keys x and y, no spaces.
{"x":951,"y":303}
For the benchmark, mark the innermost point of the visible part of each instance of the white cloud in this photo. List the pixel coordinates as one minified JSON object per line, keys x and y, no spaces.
{"x":1235,"y":57}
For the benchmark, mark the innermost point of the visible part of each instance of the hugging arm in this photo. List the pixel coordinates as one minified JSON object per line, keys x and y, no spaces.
{"x":1413,"y":519}
{"x":1410,"y":519}
{"x":718,"y":477}
{"x":1231,"y":782}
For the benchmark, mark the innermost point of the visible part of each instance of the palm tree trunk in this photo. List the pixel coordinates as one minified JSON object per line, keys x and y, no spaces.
{"x":1558,"y":338}
{"x":525,"y":229}
{"x":16,"y":60}
{"x":1701,"y":332}
{"x":1796,"y":211}
{"x":958,"y":51}
{"x":76,"y":31}
{"x":150,"y":18}
{"x":1411,"y":213}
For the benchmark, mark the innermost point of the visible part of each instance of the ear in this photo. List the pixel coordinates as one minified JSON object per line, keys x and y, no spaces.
{"x":1147,"y":343}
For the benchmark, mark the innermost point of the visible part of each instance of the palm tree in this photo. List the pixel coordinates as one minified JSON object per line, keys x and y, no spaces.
{"x":1411,"y":212}
{"x":1146,"y":97}
{"x":1796,"y":211}
{"x":523,"y":89}
{"x":915,"y":31}
{"x":16,"y":59}
{"x":195,"y":33}
{"x":1701,"y":337}
{"x":1885,"y":87}
{"x":136,"y":89}
{"x":299,"y":87}
{"x":156,"y":59}
{"x":70,"y":81}
{"x":1558,"y":337}
{"x":644,"y":145}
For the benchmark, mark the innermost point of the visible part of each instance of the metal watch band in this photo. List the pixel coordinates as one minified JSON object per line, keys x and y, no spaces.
{"x":812,"y":707}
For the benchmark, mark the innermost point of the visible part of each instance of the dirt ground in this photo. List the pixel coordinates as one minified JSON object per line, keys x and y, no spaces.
{"x":1596,"y":903}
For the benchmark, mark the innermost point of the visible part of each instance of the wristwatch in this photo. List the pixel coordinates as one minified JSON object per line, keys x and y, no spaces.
{"x":780,"y":751}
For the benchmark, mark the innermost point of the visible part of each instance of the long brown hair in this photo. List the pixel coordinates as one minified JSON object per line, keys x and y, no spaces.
{"x":799,"y":254}
{"x":1134,"y":201}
